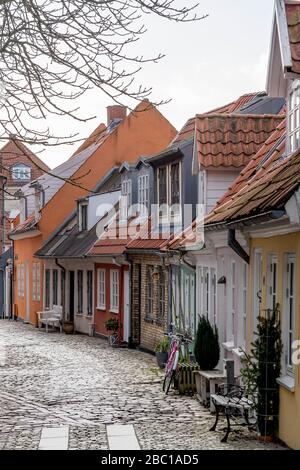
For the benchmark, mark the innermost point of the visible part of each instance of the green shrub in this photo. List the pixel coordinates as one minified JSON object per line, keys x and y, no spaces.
{"x":112,"y":325}
{"x":207,"y":349}
{"x":163,"y":345}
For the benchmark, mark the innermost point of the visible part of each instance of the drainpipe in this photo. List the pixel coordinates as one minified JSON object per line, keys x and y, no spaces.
{"x":2,"y":212}
{"x":63,"y":269}
{"x":236,"y":247}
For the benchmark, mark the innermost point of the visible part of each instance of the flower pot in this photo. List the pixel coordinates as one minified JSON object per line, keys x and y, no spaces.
{"x":68,"y":327}
{"x":161,"y":358}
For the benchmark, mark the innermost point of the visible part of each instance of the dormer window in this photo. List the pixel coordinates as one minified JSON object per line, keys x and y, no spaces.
{"x":143,"y":194}
{"x":294,"y":117}
{"x":169,"y":191}
{"x":83,"y":216}
{"x":126,"y":199}
{"x":21,"y":172}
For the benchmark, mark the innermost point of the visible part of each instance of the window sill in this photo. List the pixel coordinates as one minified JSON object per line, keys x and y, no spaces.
{"x":116,"y":312}
{"x":229,"y":346}
{"x":102,"y":309}
{"x":288,"y":382}
{"x":149,"y":320}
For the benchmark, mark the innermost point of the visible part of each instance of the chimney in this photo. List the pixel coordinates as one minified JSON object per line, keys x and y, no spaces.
{"x":116,"y":112}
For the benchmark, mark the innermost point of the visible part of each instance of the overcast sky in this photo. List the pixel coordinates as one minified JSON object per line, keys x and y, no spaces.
{"x":207,"y":64}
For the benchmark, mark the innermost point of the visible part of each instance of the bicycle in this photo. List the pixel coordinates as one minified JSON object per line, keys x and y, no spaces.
{"x":113,"y":339}
{"x":171,"y":369}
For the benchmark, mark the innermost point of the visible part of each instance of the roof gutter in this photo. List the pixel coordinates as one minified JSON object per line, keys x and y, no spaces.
{"x":247,"y":221}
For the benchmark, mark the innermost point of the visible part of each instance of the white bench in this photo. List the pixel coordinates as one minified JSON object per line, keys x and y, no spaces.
{"x":51,"y":317}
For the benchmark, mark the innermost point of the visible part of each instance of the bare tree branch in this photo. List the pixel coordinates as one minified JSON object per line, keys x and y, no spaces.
{"x":54,"y":51}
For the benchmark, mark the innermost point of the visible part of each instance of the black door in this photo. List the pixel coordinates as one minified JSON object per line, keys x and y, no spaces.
{"x":71,"y":295}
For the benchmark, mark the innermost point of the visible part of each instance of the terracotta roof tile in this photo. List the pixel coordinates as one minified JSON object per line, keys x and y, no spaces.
{"x":231,"y":140}
{"x":267,"y":158}
{"x":293,"y":21}
{"x":238,"y":104}
{"x":188,"y":129}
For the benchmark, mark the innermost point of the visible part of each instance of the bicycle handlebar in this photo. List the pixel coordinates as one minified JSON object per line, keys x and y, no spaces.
{"x":184,"y":338}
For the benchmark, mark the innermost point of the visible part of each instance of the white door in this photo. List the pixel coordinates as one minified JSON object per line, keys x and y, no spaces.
{"x":27,"y":290}
{"x":126,"y":328}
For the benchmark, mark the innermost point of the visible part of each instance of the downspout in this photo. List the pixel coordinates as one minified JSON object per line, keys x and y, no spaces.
{"x":63,"y":269}
{"x":129,"y":261}
{"x":236,"y":247}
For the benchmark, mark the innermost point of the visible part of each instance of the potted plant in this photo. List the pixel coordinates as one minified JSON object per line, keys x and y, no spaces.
{"x":260,"y":371}
{"x":161,"y":352}
{"x":206,"y":351}
{"x":68,"y":327}
{"x":112,"y":325}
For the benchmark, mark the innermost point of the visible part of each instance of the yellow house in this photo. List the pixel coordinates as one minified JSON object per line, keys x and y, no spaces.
{"x":263,"y":205}
{"x":275,"y":271}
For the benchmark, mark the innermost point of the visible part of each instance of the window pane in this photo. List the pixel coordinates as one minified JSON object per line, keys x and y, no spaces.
{"x":80,"y":291}
{"x":55,"y":286}
{"x":162,"y":186}
{"x":47,"y":290}
{"x":89,"y":292}
{"x":175,"y":184}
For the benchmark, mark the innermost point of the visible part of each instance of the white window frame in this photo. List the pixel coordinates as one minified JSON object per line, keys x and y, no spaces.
{"x":294,"y":116}
{"x":213,"y":296}
{"x":143,"y":194}
{"x":101,"y":289}
{"x":126,"y":199}
{"x":20,"y":172}
{"x":36,"y":281}
{"x":78,"y":311}
{"x":21,"y":280}
{"x":289,"y":322}
{"x":114,"y":290}
{"x":243,"y":329}
{"x":166,"y":217}
{"x":272,"y":286}
{"x":81,"y":205}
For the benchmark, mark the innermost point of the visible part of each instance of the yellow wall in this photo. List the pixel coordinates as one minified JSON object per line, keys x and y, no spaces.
{"x":289,"y":421}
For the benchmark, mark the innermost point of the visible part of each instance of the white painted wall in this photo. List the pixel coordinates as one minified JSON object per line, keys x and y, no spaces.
{"x":220,"y":258}
{"x":217,"y":183}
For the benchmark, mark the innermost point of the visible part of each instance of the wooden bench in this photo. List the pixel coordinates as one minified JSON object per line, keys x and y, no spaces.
{"x":231,"y":402}
{"x":51,"y":317}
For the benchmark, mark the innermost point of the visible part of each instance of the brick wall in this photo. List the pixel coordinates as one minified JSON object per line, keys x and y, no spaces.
{"x":147,"y":332}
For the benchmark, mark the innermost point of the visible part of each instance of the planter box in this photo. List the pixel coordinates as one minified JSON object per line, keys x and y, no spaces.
{"x":186,"y":378}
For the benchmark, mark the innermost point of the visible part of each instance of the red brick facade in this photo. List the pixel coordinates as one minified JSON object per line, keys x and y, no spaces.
{"x":148,"y":330}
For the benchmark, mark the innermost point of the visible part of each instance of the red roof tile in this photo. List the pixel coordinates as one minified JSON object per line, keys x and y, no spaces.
{"x":188,"y":129}
{"x":293,"y":21}
{"x":237,"y":104}
{"x":231,"y":140}
{"x":265,"y":159}
{"x":25,"y":226}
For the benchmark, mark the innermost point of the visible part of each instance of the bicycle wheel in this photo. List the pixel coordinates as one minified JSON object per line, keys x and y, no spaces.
{"x":168,"y":381}
{"x":112,"y":340}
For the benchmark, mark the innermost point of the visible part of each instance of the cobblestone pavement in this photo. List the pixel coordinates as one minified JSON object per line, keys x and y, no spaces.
{"x":76,"y":381}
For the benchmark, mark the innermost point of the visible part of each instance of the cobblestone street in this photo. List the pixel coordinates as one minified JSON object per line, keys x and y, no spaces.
{"x":51,"y":380}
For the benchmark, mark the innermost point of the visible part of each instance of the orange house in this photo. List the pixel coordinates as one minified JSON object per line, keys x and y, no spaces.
{"x":49,"y":200}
